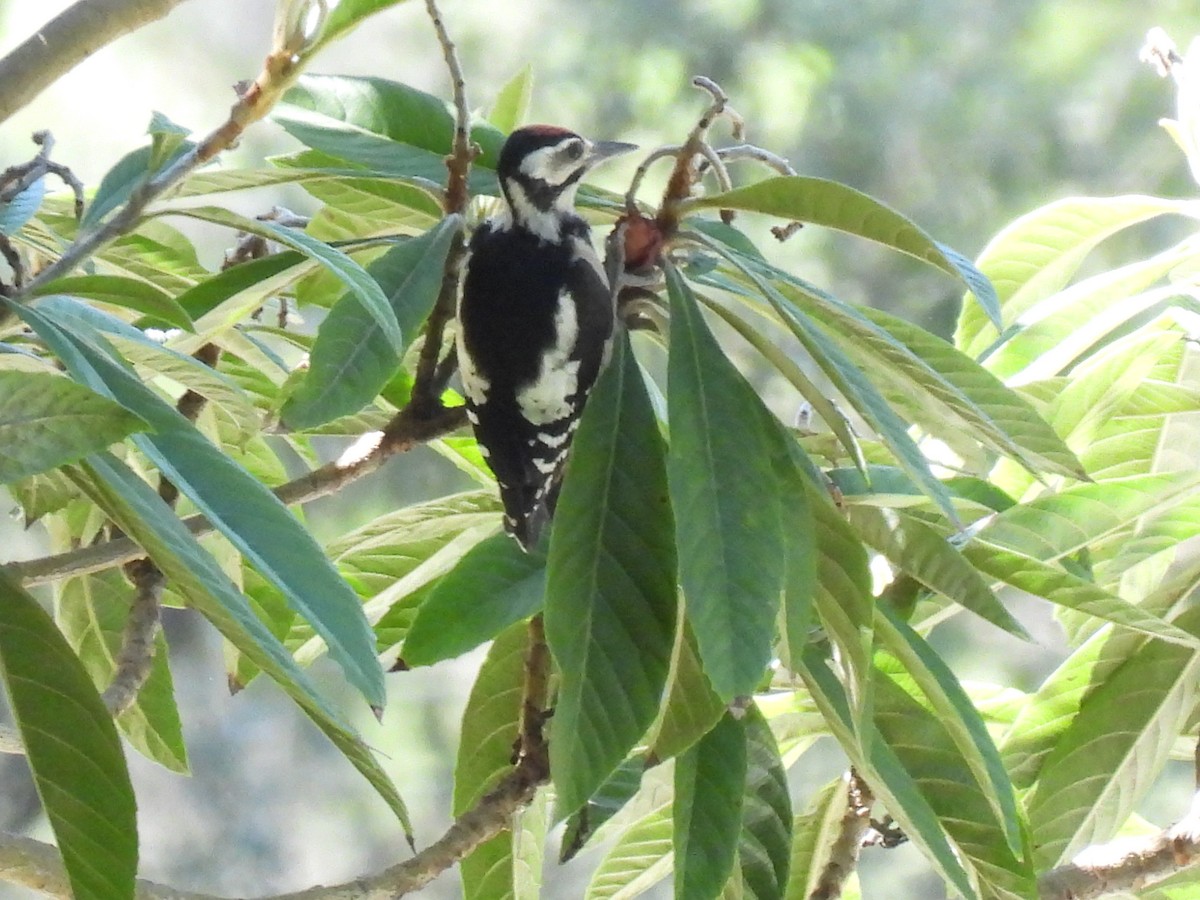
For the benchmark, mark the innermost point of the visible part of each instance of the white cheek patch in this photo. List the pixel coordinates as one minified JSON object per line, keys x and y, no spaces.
{"x":547,"y":398}
{"x":545,"y":224}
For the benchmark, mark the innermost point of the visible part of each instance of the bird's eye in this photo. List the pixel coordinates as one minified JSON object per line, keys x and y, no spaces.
{"x":575,"y":151}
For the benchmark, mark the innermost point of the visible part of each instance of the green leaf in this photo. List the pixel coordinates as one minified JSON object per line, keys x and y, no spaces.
{"x":610,"y":584}
{"x":764,"y":848}
{"x":47,"y":420}
{"x":691,"y":708}
{"x":391,"y":129}
{"x":20,"y":209}
{"x":241,"y":507}
{"x":640,"y":858}
{"x":815,"y":832}
{"x":346,"y":15}
{"x":925,"y":555}
{"x":924,"y":747}
{"x":353,"y":358}
{"x":119,"y":183}
{"x":709,"y":783}
{"x":128,"y":293}
{"x":839,"y":206}
{"x":608,"y":800}
{"x":1114,"y":749}
{"x":957,"y":715}
{"x":192,"y":571}
{"x":240,"y":279}
{"x":1038,"y":253}
{"x":1033,"y":438}
{"x":489,"y":727}
{"x":72,"y":748}
{"x":851,"y":382}
{"x":92,"y":611}
{"x":725,"y":493}
{"x":1070,"y":592}
{"x":511,"y":105}
{"x":166,"y":138}
{"x":360,"y":284}
{"x":493,"y":586}
{"x":880,"y":765}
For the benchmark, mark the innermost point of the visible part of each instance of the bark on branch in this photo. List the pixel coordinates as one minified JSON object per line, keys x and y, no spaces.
{"x":67,"y":40}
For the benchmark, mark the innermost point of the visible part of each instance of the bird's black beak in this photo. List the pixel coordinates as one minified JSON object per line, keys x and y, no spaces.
{"x":604,"y":150}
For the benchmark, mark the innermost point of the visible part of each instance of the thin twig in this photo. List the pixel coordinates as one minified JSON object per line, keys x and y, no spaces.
{"x":843,"y":856}
{"x":429,"y":374}
{"x":137,"y":643}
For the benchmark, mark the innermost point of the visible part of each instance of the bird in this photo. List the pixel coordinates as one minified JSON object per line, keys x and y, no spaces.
{"x":536,"y":318}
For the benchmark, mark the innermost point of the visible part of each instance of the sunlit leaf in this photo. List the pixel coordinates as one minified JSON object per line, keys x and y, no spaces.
{"x":511,"y":105}
{"x":47,"y":420}
{"x":840,"y":206}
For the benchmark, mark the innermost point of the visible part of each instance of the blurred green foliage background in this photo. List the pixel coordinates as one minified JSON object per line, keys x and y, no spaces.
{"x":960,"y":114}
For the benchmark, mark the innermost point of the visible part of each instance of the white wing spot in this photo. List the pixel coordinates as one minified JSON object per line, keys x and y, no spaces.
{"x":546,"y":398}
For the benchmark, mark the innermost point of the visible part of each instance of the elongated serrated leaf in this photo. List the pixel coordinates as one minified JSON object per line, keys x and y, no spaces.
{"x":923,"y":746}
{"x":353,"y":358}
{"x":208,"y":295}
{"x":1055,"y":525}
{"x":47,"y":420}
{"x":851,"y":382}
{"x":243,"y":509}
{"x":1038,"y":253}
{"x":889,"y":779}
{"x":364,"y":288}
{"x":958,"y":716}
{"x":925,"y":555}
{"x":1113,"y":750}
{"x":391,"y":129}
{"x":640,"y":858}
{"x":116,"y":185}
{"x":709,"y":784}
{"x":839,"y":206}
{"x":1069,"y":591}
{"x":724,"y":491}
{"x":494,"y":585}
{"x":1010,"y":411}
{"x":192,"y":571}
{"x":610,"y":584}
{"x":814,"y":834}
{"x":92,"y":611}
{"x":129,"y":293}
{"x":489,"y":728}
{"x":511,"y":105}
{"x":764,"y":847}
{"x":73,"y":750}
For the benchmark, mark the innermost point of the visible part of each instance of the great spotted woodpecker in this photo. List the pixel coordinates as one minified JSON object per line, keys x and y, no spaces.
{"x":535,"y":320}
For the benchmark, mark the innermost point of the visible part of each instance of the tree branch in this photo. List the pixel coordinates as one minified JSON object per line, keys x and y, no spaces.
{"x":137,"y":643}
{"x":1128,"y":864}
{"x":843,"y":856}
{"x":67,"y":40}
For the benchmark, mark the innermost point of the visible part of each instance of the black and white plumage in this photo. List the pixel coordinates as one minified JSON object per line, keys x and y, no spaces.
{"x":536,"y":320}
